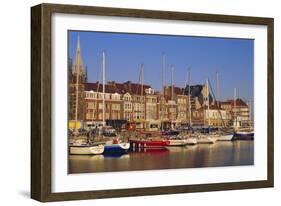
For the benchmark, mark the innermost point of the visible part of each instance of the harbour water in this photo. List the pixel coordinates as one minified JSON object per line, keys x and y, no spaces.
{"x":222,"y":153}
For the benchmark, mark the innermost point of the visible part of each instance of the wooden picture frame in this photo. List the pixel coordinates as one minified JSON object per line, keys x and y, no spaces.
{"x":41,"y":96}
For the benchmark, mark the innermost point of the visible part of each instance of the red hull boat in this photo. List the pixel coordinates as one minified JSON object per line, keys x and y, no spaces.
{"x":149,"y":143}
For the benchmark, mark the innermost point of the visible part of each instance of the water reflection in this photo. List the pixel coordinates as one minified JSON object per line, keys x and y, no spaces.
{"x":201,"y":155}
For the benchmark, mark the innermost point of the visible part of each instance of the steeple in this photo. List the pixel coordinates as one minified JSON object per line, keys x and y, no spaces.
{"x":78,"y":44}
{"x":78,"y":66}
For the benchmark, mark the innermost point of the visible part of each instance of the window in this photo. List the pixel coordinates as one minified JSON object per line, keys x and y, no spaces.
{"x":115,"y":96}
{"x":100,"y":106}
{"x":100,"y":96}
{"x":91,"y":105}
{"x":107,"y":96}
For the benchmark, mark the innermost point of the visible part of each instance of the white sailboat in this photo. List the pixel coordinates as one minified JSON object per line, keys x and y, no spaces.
{"x":176,"y":142}
{"x":221,"y":136}
{"x":80,"y":148}
{"x":86,"y":150}
{"x":207,"y":138}
{"x":190,"y":140}
{"x":225,"y":137}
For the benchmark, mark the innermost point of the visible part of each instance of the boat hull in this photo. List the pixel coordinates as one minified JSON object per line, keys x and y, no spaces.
{"x":116,"y":148}
{"x":86,"y":150}
{"x":149,"y":143}
{"x":191,"y":141}
{"x":177,"y":143}
{"x":206,"y":140}
{"x":243,"y":136}
{"x":227,"y":137}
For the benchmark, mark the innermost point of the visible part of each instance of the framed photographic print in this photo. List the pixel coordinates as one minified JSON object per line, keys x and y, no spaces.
{"x":132,"y":102}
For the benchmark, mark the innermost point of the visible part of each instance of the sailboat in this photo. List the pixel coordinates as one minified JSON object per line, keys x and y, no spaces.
{"x":223,"y":136}
{"x":191,"y":139}
{"x":172,"y":136}
{"x":80,"y":147}
{"x":151,"y":143}
{"x":207,"y":138}
{"x":86,"y":150}
{"x":114,"y":146}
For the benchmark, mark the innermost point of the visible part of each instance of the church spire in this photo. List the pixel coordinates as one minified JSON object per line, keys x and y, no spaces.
{"x":78,"y":66}
{"x":78,"y":44}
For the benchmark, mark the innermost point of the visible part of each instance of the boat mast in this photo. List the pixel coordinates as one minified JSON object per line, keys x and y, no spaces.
{"x":250,"y":113}
{"x":217,"y":89}
{"x":142,"y":76}
{"x":217,"y":93}
{"x":208,"y":103}
{"x":172,"y":93}
{"x":77,"y":70}
{"x":163,"y":72}
{"x":234,"y":108}
{"x":103,"y":88}
{"x":189,"y":96}
{"x":142,"y":71}
{"x":163,"y":90}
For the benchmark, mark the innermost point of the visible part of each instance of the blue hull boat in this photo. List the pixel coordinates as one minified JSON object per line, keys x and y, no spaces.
{"x":116,"y":148}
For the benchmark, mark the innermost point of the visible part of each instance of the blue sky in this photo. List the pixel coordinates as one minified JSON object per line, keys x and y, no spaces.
{"x":233,"y":59}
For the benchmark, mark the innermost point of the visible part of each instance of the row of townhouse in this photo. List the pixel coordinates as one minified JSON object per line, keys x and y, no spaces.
{"x":133,"y":102}
{"x":138,"y":103}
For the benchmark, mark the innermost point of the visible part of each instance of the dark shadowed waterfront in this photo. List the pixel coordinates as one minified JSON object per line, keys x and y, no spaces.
{"x":229,"y":153}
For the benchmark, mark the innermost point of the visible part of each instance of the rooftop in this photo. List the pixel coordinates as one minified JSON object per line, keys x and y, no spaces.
{"x":114,"y":87}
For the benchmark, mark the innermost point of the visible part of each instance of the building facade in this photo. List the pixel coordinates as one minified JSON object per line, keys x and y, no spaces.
{"x":239,"y":111}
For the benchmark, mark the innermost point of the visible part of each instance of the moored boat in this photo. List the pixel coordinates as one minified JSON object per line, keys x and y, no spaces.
{"x":206,"y":139}
{"x":191,"y":141}
{"x":176,"y":142}
{"x":243,"y":135}
{"x":86,"y":150}
{"x":149,"y":143}
{"x":116,"y":148}
{"x":225,"y":137}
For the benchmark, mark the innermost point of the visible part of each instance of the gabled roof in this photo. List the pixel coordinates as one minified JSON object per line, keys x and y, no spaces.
{"x":114,"y":87}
